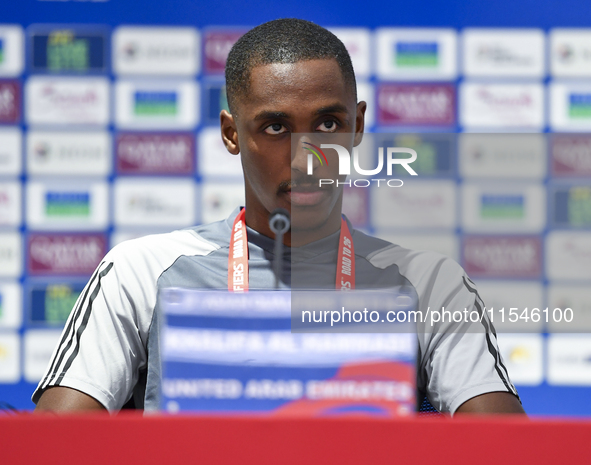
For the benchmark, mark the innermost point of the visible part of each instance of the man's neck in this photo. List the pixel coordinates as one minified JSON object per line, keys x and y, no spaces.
{"x":297,"y":236}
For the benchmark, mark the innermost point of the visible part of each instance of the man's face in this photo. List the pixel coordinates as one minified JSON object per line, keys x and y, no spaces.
{"x":283,"y":99}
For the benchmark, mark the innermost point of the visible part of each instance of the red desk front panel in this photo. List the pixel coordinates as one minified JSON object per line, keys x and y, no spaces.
{"x":129,"y":438}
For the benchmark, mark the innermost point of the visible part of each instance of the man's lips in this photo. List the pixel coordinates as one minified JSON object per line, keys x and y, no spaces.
{"x":307,"y":198}
{"x":307,"y":194}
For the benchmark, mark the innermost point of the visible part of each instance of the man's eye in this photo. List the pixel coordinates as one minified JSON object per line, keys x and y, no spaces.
{"x":327,"y":126}
{"x":275,"y":128}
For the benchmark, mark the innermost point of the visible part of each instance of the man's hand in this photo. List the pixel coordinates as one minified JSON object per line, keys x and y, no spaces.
{"x":491,"y":403}
{"x":63,"y":399}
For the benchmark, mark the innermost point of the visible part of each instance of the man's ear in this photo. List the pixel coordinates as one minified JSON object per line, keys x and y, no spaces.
{"x":359,"y":122}
{"x":229,"y":132}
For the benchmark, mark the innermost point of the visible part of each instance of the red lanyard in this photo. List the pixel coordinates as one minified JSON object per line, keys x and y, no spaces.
{"x":238,"y":257}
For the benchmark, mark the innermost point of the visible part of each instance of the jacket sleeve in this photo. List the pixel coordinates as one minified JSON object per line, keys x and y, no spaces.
{"x":459,"y":359}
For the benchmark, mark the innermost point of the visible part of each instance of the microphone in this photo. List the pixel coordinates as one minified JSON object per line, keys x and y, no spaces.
{"x":279,"y":222}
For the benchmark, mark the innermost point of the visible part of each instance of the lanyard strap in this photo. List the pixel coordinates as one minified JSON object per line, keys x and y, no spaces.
{"x":346,"y":261}
{"x":238,"y":257}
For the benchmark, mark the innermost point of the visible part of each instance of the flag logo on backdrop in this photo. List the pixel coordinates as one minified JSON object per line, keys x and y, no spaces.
{"x":416,"y":54}
{"x":155,"y":103}
{"x":579,"y":106}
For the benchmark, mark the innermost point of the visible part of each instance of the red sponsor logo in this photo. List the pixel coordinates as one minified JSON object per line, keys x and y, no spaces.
{"x":10,"y":101}
{"x":417,"y":105}
{"x":503,"y":257}
{"x":571,"y":155}
{"x":505,"y":101}
{"x":155,"y":153}
{"x":577,"y":248}
{"x":65,"y":254}
{"x":66,"y":98}
{"x":216,"y":49}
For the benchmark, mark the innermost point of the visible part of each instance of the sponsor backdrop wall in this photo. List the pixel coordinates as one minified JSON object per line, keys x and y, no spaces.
{"x":108,"y":130}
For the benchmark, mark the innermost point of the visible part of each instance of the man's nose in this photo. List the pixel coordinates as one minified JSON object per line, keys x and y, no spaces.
{"x":300,"y":155}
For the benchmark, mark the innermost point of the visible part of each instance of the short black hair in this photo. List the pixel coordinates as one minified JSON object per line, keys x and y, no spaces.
{"x":288,"y":40}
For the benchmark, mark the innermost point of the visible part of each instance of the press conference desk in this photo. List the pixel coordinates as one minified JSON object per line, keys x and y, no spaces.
{"x":130,"y":438}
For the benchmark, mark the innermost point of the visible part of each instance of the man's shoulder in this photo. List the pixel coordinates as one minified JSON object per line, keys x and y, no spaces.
{"x":382,"y":253}
{"x":163,"y":246}
{"x":413,"y":264}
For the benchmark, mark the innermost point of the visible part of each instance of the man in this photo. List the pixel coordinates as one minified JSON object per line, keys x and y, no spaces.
{"x":284,"y":77}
